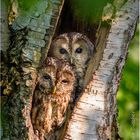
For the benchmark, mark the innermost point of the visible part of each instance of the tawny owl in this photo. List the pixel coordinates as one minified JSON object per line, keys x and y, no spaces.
{"x":53,"y":93}
{"x":76,"y":49}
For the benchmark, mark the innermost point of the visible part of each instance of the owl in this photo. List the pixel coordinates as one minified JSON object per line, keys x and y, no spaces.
{"x":52,"y":95}
{"x":75,"y":48}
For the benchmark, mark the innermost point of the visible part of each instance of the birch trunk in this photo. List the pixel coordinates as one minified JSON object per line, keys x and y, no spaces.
{"x":95,"y":114}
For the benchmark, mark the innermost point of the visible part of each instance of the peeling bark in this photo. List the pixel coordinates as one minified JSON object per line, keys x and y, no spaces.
{"x":95,"y":114}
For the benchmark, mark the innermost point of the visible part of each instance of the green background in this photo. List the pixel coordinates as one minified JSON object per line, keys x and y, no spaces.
{"x":128,"y":94}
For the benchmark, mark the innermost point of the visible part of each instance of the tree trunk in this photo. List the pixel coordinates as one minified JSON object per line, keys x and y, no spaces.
{"x":31,"y":34}
{"x":95,"y":113}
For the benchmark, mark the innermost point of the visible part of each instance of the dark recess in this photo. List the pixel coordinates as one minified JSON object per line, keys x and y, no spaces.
{"x":69,"y":23}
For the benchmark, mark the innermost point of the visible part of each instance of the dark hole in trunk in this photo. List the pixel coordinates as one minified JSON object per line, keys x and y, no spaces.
{"x":96,"y":31}
{"x":69,"y":23}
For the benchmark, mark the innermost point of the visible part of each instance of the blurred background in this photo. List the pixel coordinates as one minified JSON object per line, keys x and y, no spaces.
{"x":128,"y":94}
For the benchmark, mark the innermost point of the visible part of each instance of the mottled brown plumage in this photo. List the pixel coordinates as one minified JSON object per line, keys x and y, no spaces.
{"x":52,"y":96}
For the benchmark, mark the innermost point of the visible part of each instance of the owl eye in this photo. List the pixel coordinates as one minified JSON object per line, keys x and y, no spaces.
{"x":46,"y":77}
{"x":62,"y":51}
{"x":65,"y":81}
{"x":79,"y":50}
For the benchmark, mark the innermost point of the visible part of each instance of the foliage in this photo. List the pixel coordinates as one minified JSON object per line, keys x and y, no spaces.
{"x":128,"y":94}
{"x":24,"y":5}
{"x":27,"y":4}
{"x":89,"y":10}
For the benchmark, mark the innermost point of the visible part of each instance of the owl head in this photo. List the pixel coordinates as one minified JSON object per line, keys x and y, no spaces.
{"x":56,"y":77}
{"x":73,"y":47}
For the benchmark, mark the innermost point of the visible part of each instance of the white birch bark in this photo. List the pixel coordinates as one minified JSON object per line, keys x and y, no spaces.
{"x":95,"y":114}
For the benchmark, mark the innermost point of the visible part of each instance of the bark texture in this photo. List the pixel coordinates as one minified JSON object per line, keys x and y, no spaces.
{"x":4,"y":31}
{"x":31,"y":34}
{"x":4,"y":42}
{"x":95,"y":114}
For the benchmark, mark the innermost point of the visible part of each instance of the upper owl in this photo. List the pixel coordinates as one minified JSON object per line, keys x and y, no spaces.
{"x":77,"y":49}
{"x":73,"y":47}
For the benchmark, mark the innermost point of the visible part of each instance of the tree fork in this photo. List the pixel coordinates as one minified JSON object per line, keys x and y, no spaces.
{"x":95,"y":113}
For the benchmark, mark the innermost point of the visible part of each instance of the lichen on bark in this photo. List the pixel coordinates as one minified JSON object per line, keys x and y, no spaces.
{"x":31,"y":33}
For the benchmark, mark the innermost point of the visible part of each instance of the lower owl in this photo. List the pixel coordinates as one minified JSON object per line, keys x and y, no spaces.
{"x":77,"y":49}
{"x":53,"y":93}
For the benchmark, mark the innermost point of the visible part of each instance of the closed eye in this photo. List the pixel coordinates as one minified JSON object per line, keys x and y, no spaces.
{"x":79,"y":50}
{"x":62,"y":51}
{"x":46,"y":77}
{"x":65,"y":81}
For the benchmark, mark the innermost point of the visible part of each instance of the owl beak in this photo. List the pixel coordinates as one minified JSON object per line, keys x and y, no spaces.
{"x":54,"y":90}
{"x":71,"y":60}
